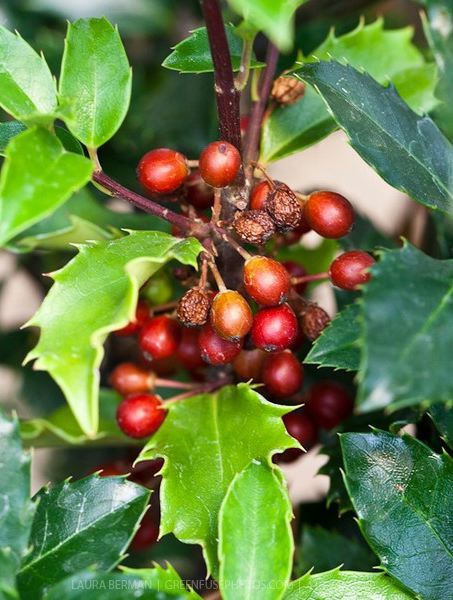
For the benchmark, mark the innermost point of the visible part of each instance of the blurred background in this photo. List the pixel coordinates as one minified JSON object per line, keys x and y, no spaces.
{"x":178,"y":111}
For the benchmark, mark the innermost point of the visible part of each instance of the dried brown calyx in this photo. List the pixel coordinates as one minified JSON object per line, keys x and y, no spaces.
{"x":313,"y":321}
{"x":193,"y":307}
{"x":253,"y":226}
{"x":287,"y":90}
{"x":284,"y":208}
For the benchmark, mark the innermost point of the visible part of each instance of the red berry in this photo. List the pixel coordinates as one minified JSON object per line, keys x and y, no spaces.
{"x":249,"y":364}
{"x":189,"y":349}
{"x":296,"y":270}
{"x":275,"y":328}
{"x":147,"y":534}
{"x":231,"y":315}
{"x":140,"y":415}
{"x":160,"y":337}
{"x":245,"y":119}
{"x":329,"y":403}
{"x":219,"y":164}
{"x":266,"y":280}
{"x":128,"y":378}
{"x":111,"y":469}
{"x":162,"y":171}
{"x":351,"y":269}
{"x":198,"y":194}
{"x":216,"y":350}
{"x":259,"y":195}
{"x":329,"y":214}
{"x":141,"y":315}
{"x":302,"y":428}
{"x":282,"y":374}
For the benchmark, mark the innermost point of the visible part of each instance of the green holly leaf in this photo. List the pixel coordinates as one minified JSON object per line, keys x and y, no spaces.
{"x":255,"y":539}
{"x":401,"y":491}
{"x":345,"y":585}
{"x":37,"y":177}
{"x":8,"y":131}
{"x":81,"y":524}
{"x":94,"y":294}
{"x":193,"y":55}
{"x":95,"y":83}
{"x":384,"y":54}
{"x":403,"y":345}
{"x":205,"y":441}
{"x":165,"y":580}
{"x":323,"y":550}
{"x":111,"y":586}
{"x":414,"y":157}
{"x":442,"y":416}
{"x":275,"y":19}
{"x":16,"y":509}
{"x":339,"y":345}
{"x":27,"y":87}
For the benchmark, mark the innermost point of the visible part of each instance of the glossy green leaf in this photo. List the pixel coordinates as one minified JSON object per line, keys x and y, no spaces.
{"x":442,"y":415}
{"x":275,"y":19}
{"x":386,"y":54}
{"x":81,"y":524}
{"x":401,"y":491}
{"x":406,"y":349}
{"x":322,"y":550}
{"x":16,"y":509}
{"x":95,"y":84}
{"x":8,"y":131}
{"x":164,"y":580}
{"x":206,"y":441}
{"x":346,"y":585}
{"x":37,"y":177}
{"x":255,"y":539}
{"x":413,"y":157}
{"x":339,"y":345}
{"x":193,"y":55}
{"x":27,"y":88}
{"x":94,"y":294}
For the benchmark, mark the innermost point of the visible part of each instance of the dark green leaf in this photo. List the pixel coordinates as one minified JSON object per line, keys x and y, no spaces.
{"x":95,"y":84}
{"x":340,"y":343}
{"x":414,"y":157}
{"x":9,"y":130}
{"x":27,"y":88}
{"x":365,"y":236}
{"x":193,"y":55}
{"x":442,"y":415}
{"x":322,"y":550}
{"x":87,"y":523}
{"x":406,"y":347}
{"x":401,"y":491}
{"x":37,"y":177}
{"x":255,"y":539}
{"x":225,"y":431}
{"x":345,"y":585}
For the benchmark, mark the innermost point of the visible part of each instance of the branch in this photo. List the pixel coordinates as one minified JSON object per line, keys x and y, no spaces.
{"x":227,"y":95}
{"x":147,"y":205}
{"x":257,"y":114}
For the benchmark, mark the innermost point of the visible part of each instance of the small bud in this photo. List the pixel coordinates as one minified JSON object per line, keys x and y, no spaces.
{"x":287,"y":90}
{"x":253,"y":226}
{"x":193,"y":308}
{"x":314,"y":320}
{"x":284,"y":208}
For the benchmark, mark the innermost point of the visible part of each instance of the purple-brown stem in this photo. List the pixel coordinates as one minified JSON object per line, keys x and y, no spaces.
{"x":309,"y":278}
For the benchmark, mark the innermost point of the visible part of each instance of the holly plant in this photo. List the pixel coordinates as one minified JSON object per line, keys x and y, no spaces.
{"x":179,"y":322}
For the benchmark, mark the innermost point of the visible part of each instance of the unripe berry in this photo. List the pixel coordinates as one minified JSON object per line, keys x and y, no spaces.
{"x":296,"y":270}
{"x":275,"y":328}
{"x":216,"y":350}
{"x":253,"y":226}
{"x":219,"y":164}
{"x":189,"y":349}
{"x":128,"y":378}
{"x":198,"y":194}
{"x":329,"y":403}
{"x":284,"y":208}
{"x":282,"y":374}
{"x":162,"y":171}
{"x":351,"y":270}
{"x":248,"y":365}
{"x":140,"y":415}
{"x":266,"y":280}
{"x":231,"y":315}
{"x":329,"y":214}
{"x":141,"y":315}
{"x":160,"y":337}
{"x":158,"y":290}
{"x":193,"y":307}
